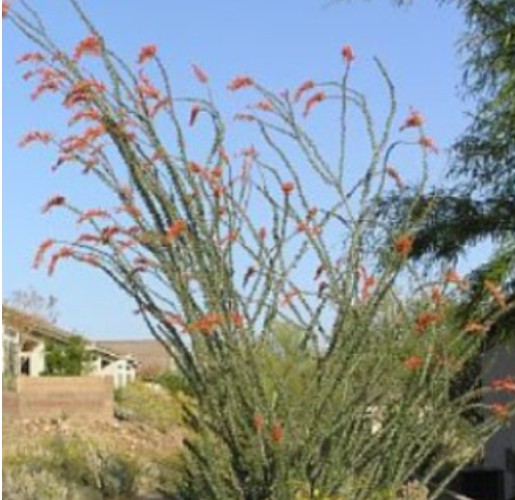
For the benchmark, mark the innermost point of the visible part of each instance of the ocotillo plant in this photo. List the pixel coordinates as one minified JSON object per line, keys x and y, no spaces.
{"x":218,"y":249}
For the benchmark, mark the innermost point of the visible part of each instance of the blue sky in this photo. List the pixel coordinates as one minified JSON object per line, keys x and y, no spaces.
{"x":278,"y":42}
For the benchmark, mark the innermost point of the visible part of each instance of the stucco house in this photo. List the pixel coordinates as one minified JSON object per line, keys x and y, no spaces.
{"x":499,"y":363}
{"x":25,"y":338}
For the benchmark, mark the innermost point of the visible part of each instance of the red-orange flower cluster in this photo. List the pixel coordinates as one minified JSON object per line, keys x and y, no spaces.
{"x":177,"y":228}
{"x":93,"y":213}
{"x":31,"y":57}
{"x":413,"y":363}
{"x":403,"y":245}
{"x":195,"y":110}
{"x":474,"y":327}
{"x":429,"y":144}
{"x":277,"y":433}
{"x":206,"y":324}
{"x":200,"y":74}
{"x":414,"y":119}
{"x":63,"y":253}
{"x":55,"y":201}
{"x":500,"y":410}
{"x":5,"y":9}
{"x":147,"y":52}
{"x":307,"y":85}
{"x":90,"y":46}
{"x":506,"y":384}
{"x":313,"y":101}
{"x":42,"y":250}
{"x":264,"y":105}
{"x":36,"y":136}
{"x":83,"y":92}
{"x":348,"y":54}
{"x":287,"y":188}
{"x":425,"y":319}
{"x":240,"y":82}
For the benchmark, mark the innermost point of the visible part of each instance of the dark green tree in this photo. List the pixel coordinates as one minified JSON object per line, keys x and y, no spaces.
{"x":481,"y":204}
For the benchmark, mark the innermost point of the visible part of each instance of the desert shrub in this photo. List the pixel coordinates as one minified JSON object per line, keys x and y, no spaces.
{"x":149,"y":404}
{"x":27,"y":483}
{"x":81,"y":462}
{"x":80,"y":468}
{"x":218,"y":249}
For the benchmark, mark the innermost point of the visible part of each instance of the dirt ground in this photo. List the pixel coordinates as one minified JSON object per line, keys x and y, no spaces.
{"x":134,"y":438}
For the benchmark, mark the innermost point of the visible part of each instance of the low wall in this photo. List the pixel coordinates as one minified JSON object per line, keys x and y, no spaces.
{"x":48,"y":397}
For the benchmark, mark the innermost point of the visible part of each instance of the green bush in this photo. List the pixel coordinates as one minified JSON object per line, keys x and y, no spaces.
{"x":174,"y":382}
{"x":149,"y":404}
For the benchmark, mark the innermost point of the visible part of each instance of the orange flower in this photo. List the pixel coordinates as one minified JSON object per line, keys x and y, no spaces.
{"x":474,"y":327}
{"x":287,"y":188}
{"x":93,"y":214}
{"x":312,"y":101}
{"x":206,"y":324}
{"x":426,"y":319}
{"x":5,"y":9}
{"x":302,"y":227}
{"x":218,"y":192}
{"x":264,"y":106}
{"x":83,"y":91}
{"x":195,"y":110}
{"x":32,"y":57}
{"x":90,"y":259}
{"x":262,"y":233}
{"x":43,"y":137}
{"x":277,"y":432}
{"x":413,"y":363}
{"x":217,"y":173}
{"x":237,"y":319}
{"x":258,"y":422}
{"x":414,"y":119}
{"x":63,"y":253}
{"x":195,"y":168}
{"x":428,"y":143}
{"x":403,"y":245}
{"x":500,"y":410}
{"x":348,"y":54}
{"x":200,"y":74}
{"x":40,"y":254}
{"x":308,"y":85}
{"x":91,"y":46}
{"x":240,"y":82}
{"x":87,"y":114}
{"x":496,"y":292}
{"x":177,"y":228}
{"x":55,"y":201}
{"x":506,"y":384}
{"x":147,"y":52}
